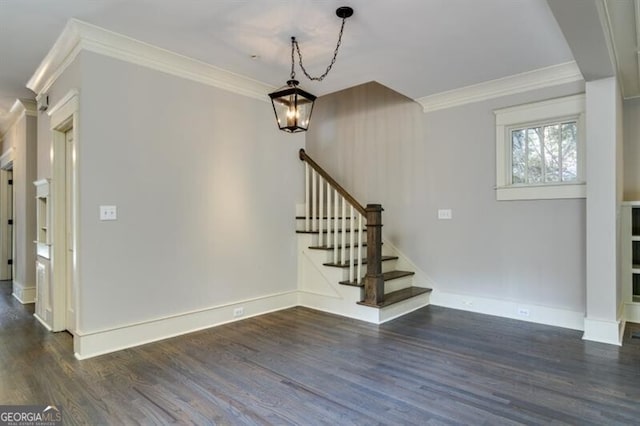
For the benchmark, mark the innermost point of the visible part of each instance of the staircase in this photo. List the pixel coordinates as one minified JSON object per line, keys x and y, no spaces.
{"x":343,"y":265}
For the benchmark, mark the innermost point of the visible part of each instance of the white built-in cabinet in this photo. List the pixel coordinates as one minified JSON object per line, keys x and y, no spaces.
{"x":43,"y":252}
{"x":630,"y":259}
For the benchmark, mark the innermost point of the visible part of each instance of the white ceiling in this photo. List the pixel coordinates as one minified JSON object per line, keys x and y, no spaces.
{"x":416,"y":47}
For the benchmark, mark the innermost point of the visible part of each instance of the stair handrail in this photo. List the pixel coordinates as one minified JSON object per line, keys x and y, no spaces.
{"x":373,"y":280}
{"x":332,"y":182}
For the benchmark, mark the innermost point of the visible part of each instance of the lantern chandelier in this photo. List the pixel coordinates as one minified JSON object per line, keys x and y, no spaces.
{"x":291,"y":104}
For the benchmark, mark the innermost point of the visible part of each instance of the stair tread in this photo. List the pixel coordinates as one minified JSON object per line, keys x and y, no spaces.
{"x":364,"y":244}
{"x":364,"y":262}
{"x":324,"y":231}
{"x":323,"y":217}
{"x":398,"y":296}
{"x":386,"y":276}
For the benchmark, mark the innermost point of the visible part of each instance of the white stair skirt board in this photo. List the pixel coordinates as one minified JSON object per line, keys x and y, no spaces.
{"x":508,"y":309}
{"x":24,"y":294}
{"x":91,"y":344}
{"x":603,"y":331}
{"x":420,"y":278}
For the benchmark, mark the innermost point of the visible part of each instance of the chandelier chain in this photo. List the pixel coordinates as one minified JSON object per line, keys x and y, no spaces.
{"x":294,"y":42}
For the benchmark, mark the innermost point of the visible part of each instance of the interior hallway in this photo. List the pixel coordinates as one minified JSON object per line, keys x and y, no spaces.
{"x":435,"y":366}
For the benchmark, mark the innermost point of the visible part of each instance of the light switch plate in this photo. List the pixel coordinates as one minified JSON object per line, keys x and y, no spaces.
{"x":445,"y":214}
{"x":108,"y":213}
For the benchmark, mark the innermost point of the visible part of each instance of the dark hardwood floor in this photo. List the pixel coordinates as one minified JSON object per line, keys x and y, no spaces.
{"x":433,"y":367}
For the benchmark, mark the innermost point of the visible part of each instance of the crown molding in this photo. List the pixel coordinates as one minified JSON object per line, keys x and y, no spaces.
{"x":537,"y":79}
{"x":19,"y":108}
{"x":26,"y":106}
{"x":80,"y":36}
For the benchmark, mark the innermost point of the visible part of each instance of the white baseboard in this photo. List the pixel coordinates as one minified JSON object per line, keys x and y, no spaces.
{"x":41,"y":321}
{"x":515,"y":310}
{"x":603,"y":331}
{"x":91,"y":344}
{"x":24,"y":294}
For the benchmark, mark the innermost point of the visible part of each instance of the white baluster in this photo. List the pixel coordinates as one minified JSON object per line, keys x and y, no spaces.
{"x":359,"y":274}
{"x":307,"y":196}
{"x":320,"y":211}
{"x":329,"y":196}
{"x":343,"y":250}
{"x":351,"y":241}
{"x":314,"y":200}
{"x":336,"y":225}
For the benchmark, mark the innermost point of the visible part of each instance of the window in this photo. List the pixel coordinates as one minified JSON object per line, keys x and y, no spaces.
{"x":540,"y":150}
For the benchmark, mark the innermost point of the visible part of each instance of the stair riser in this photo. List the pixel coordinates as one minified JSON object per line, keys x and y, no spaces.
{"x":398,"y":284}
{"x":325,"y":240}
{"x":301,"y":222}
{"x":404,"y":307}
{"x":329,"y":237}
{"x":387,"y":266}
{"x":330,"y":258}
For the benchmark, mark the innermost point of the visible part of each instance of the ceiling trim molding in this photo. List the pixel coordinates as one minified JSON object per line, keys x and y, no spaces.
{"x":605,"y":21}
{"x":554,"y":75}
{"x":78,"y":36}
{"x":20,"y":107}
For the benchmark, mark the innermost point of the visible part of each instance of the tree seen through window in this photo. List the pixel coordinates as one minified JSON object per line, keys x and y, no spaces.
{"x":544,"y":154}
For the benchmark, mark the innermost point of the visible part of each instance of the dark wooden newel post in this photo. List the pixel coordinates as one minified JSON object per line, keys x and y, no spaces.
{"x":373,"y":282}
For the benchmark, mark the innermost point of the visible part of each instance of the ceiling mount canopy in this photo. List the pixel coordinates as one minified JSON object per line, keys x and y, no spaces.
{"x":292,"y":105}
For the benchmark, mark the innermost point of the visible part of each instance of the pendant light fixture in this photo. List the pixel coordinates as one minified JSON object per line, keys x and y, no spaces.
{"x":292,"y":105}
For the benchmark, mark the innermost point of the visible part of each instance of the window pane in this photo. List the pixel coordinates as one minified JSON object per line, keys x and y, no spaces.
{"x":518,"y":159}
{"x":534,"y":147}
{"x":552,"y":153}
{"x":569,"y":152}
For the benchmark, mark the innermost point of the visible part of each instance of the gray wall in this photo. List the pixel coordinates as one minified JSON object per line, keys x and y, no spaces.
{"x":383,"y":148}
{"x":205,"y":187}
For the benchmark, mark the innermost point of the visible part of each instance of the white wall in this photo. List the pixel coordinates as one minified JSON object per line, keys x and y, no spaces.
{"x":205,"y":187}
{"x":383,"y":148}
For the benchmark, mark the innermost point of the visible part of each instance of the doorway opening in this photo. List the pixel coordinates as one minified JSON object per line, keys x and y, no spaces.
{"x":7,"y":251}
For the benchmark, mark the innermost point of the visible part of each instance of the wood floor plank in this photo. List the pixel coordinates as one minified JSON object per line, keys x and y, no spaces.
{"x":435,"y":366}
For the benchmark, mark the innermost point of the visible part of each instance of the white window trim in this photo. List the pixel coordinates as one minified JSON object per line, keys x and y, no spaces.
{"x":507,"y":119}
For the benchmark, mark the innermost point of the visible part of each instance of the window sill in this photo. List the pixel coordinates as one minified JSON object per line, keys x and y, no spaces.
{"x":542,"y":192}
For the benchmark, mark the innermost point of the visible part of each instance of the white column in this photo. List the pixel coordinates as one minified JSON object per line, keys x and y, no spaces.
{"x":603,"y":145}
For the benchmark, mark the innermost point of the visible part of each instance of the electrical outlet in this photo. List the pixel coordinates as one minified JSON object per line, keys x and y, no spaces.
{"x":238,"y":312}
{"x":523,"y":312}
{"x":445,"y":214}
{"x":108,"y":213}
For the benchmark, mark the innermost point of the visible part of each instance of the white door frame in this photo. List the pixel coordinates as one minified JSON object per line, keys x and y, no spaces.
{"x":64,"y":117}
